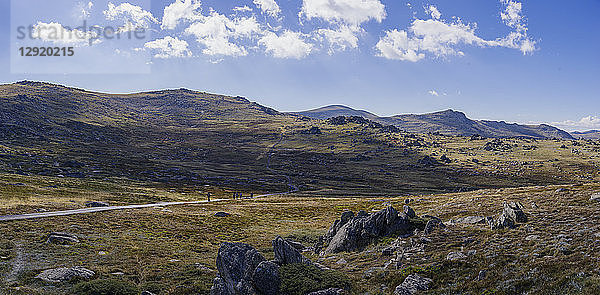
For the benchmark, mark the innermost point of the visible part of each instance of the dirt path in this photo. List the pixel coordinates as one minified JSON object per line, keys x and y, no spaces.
{"x":112,"y":208}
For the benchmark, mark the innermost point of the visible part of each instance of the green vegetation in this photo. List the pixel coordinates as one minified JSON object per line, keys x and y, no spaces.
{"x":301,"y":279}
{"x":105,"y":287}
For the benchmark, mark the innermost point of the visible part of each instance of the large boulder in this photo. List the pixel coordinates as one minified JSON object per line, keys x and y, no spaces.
{"x":236,"y":263}
{"x":362,"y":229}
{"x":62,"y":238}
{"x":285,"y":253}
{"x":412,"y":285}
{"x":515,"y":212}
{"x":266,"y":278}
{"x":510,"y":216}
{"x":65,"y":274}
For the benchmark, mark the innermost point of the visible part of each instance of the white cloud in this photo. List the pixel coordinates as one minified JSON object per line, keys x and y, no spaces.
{"x":397,"y":45}
{"x":352,"y":12}
{"x":133,"y":16}
{"x":58,"y":34}
{"x":83,"y":10}
{"x":340,"y":39}
{"x":169,"y":47}
{"x":269,"y":7}
{"x":180,"y":10}
{"x":434,"y":12}
{"x":441,"y":38}
{"x":433,"y":93}
{"x":585,"y":123}
{"x":512,"y":13}
{"x":216,"y":32}
{"x":287,"y":45}
{"x":244,"y":8}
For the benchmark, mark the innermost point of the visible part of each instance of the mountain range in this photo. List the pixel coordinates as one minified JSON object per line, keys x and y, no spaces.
{"x":447,"y":122}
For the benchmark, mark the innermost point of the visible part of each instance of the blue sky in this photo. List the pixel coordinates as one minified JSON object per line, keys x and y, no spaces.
{"x":519,"y":61}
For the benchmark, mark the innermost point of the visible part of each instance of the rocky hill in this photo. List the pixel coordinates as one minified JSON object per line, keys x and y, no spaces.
{"x":447,"y":122}
{"x":592,"y":134}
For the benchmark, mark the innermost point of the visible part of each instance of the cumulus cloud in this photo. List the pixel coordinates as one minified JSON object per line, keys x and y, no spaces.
{"x":433,"y":93}
{"x":216,"y":33}
{"x":339,"y":39}
{"x":269,"y":7}
{"x":244,"y":8}
{"x":441,"y":38}
{"x":134,"y":17}
{"x":180,"y":10}
{"x":351,"y":12}
{"x":585,"y":123}
{"x":169,"y":47}
{"x":58,"y":34}
{"x":287,"y":45}
{"x":434,"y":12}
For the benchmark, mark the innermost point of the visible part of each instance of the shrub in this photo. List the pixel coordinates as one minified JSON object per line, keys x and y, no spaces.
{"x":105,"y":287}
{"x":301,"y":279}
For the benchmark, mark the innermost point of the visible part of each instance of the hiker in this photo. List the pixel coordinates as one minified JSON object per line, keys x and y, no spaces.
{"x":208,"y":196}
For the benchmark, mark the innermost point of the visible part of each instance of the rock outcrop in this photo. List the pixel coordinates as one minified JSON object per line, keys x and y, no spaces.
{"x":352,"y":233}
{"x":510,"y":216}
{"x":412,"y":285}
{"x":285,"y":253}
{"x":244,"y":271}
{"x":64,"y":274}
{"x":236,"y":263}
{"x":62,"y":238}
{"x":266,"y":278}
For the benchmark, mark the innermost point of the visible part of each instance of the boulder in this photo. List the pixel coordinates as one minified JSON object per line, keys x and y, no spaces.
{"x":285,"y":253}
{"x":455,"y":256}
{"x":62,"y":238}
{"x":147,"y":293}
{"x":412,"y":285}
{"x":64,"y":274}
{"x":515,"y":212}
{"x":595,"y":197}
{"x":363,"y":228}
{"x":409,"y":212}
{"x":431,"y":225}
{"x":266,"y":278}
{"x":470,"y":220}
{"x":510,"y":216}
{"x":222,"y":214}
{"x":236,"y":263}
{"x":93,"y":204}
{"x":330,"y":291}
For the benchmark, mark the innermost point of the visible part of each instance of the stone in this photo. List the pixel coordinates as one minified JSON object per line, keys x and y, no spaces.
{"x":409,"y":211}
{"x":62,"y":238}
{"x":222,"y":214}
{"x":285,"y":253}
{"x":455,"y":256}
{"x":471,"y":220}
{"x":503,"y":221}
{"x":236,"y":263}
{"x":147,"y":293}
{"x":363,"y":228}
{"x":93,"y":204}
{"x":266,"y":278}
{"x":296,"y":245}
{"x":330,"y":291}
{"x":65,"y":274}
{"x":595,"y":197}
{"x":515,"y":212}
{"x":412,"y":285}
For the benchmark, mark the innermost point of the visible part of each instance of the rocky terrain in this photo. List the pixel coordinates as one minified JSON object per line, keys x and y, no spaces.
{"x":447,"y":122}
{"x":349,"y":205}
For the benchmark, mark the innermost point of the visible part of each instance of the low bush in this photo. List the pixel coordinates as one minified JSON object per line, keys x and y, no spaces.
{"x":301,"y":279}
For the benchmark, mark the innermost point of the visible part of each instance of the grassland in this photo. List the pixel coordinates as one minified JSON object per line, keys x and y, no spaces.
{"x":61,"y":147}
